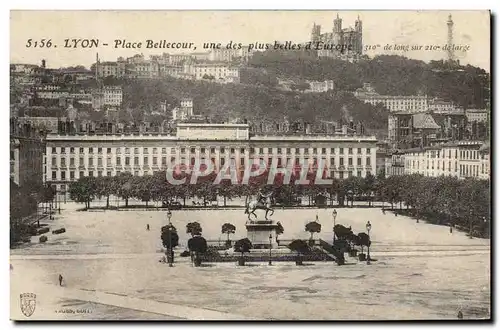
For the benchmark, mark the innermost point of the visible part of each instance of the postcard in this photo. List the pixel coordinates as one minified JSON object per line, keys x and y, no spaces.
{"x":250,"y":165}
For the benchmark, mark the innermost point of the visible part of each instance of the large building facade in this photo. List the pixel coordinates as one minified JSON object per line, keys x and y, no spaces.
{"x":27,"y":148}
{"x":216,"y":72}
{"x":410,"y":103}
{"x":72,"y":157}
{"x":464,"y":159}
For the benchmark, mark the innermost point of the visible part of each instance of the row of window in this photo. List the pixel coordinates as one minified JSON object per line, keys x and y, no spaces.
{"x":464,"y":154}
{"x":465,"y":170}
{"x":412,"y":163}
{"x":470,"y":170}
{"x":279,"y":151}
{"x":127,"y":160}
{"x":137,"y":173}
{"x":469,"y":154}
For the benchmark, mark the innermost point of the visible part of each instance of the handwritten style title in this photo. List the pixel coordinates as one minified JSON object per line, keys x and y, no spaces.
{"x":166,"y":44}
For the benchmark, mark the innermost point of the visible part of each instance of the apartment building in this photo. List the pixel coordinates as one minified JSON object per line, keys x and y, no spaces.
{"x":27,"y":147}
{"x":75,"y":156}
{"x":410,"y":104}
{"x":477,"y":115}
{"x":113,"y":95}
{"x":320,"y":86}
{"x":461,"y":159}
{"x":216,"y":72}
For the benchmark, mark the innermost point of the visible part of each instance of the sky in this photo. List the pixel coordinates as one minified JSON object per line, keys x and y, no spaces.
{"x":380,"y":28}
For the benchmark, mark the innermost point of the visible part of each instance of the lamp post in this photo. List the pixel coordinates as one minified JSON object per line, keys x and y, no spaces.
{"x":169,"y":216}
{"x":470,"y":224}
{"x":169,"y":250}
{"x":368,"y":228}
{"x":59,"y":204}
{"x":334,"y":214}
{"x":270,"y":242}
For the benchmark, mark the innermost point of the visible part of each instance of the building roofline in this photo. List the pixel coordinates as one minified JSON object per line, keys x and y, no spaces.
{"x":213,"y":125}
{"x":159,"y":137}
{"x":452,"y":144}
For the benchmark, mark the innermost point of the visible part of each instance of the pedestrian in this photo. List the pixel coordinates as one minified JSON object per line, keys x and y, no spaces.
{"x":460,"y":315}
{"x":147,"y":226}
{"x":60,"y":280}
{"x":451,"y":229}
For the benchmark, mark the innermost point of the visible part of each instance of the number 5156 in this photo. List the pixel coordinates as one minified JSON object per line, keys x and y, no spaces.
{"x":47,"y":43}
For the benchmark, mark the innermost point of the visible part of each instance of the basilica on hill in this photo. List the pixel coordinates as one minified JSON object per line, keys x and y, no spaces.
{"x":351,"y":38}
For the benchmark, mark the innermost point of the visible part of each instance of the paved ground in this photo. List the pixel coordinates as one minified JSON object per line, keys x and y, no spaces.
{"x":50,"y":296}
{"x":422,"y":272}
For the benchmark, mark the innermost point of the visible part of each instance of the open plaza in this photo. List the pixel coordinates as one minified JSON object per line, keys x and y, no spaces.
{"x":109,"y":262}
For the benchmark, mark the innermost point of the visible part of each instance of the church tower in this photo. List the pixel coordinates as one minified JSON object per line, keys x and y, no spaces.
{"x":315,"y":33}
{"x":337,"y":30}
{"x":358,"y":27}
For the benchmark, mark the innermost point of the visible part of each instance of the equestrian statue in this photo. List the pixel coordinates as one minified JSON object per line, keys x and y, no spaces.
{"x":263,"y":202}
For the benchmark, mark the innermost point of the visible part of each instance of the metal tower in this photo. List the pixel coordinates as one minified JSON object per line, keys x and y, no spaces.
{"x":451,"y":54}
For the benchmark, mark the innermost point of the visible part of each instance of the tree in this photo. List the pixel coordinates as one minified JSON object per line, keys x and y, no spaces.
{"x":342,"y":232}
{"x":301,"y":247}
{"x":341,"y":190}
{"x":313,"y":227}
{"x":194,"y":228}
{"x":197,"y":245}
{"x":368,"y":187}
{"x":169,"y":236}
{"x":228,"y":229}
{"x":125,"y":188}
{"x":106,"y":186}
{"x":353,"y":186}
{"x":48,"y":193}
{"x":142,"y":187}
{"x":169,"y":239}
{"x":242,"y":246}
{"x":441,"y":200}
{"x":83,"y":190}
{"x":226,"y":189}
{"x":159,"y":189}
{"x":363,"y":240}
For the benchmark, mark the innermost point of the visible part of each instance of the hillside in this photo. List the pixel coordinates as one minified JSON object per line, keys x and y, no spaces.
{"x":466,"y":86}
{"x":257,"y":96}
{"x":240,"y":101}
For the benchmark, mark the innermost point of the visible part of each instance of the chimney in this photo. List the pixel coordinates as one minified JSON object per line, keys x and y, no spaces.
{"x":308,"y":128}
{"x":43,"y":64}
{"x":358,"y":128}
{"x":344,"y":129}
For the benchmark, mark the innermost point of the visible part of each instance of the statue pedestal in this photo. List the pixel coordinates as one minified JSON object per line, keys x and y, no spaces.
{"x":258,"y":233}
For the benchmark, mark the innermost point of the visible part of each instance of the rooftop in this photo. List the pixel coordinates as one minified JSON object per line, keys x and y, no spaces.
{"x":450,"y":144}
{"x":424,"y":121}
{"x":485,"y":147}
{"x":161,"y":136}
{"x":206,"y":125}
